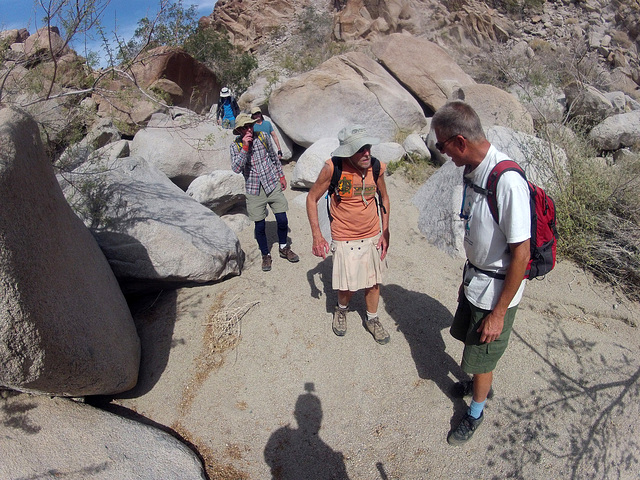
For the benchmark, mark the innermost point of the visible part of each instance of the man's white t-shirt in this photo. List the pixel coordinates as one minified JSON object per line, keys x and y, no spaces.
{"x":485,"y":242}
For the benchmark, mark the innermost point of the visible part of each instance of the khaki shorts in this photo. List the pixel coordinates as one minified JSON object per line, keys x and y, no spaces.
{"x":356,"y":264}
{"x":257,"y":204}
{"x":479,"y":357}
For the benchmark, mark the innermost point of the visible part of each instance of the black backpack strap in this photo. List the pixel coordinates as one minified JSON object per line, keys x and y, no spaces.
{"x":335,"y":180}
{"x":333,"y":185}
{"x":488,"y":273}
{"x":376,"y":167}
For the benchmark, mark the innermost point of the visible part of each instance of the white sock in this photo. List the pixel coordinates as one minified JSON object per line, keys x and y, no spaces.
{"x":342,"y":307}
{"x":371,"y":316}
{"x":282,"y":246}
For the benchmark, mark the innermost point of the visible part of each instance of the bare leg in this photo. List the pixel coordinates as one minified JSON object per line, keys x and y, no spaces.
{"x":371,"y":298}
{"x":481,"y":386}
{"x":344,"y":297}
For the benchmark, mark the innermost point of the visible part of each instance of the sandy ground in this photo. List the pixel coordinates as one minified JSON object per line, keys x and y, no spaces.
{"x":293,"y":396}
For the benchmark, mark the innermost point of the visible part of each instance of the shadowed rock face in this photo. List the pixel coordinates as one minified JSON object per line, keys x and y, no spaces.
{"x":65,"y":327}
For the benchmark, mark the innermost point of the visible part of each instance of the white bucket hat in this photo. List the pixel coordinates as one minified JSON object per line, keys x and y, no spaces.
{"x":352,"y":139}
{"x":225,"y":92}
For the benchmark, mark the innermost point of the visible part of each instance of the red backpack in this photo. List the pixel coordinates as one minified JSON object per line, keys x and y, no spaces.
{"x":544,"y":235}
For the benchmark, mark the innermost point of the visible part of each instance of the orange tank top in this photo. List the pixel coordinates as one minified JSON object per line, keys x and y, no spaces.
{"x":355,"y":216}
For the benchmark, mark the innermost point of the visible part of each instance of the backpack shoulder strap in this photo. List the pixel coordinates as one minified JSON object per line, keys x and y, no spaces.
{"x":375,"y":166}
{"x":263,"y":140}
{"x":335,"y":177}
{"x":492,"y":182}
{"x":333,"y":185}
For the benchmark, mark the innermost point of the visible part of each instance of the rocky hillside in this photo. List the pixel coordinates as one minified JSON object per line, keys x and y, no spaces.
{"x":609,"y":30}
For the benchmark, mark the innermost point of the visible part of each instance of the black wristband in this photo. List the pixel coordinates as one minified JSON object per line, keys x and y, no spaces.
{"x":280,"y":152}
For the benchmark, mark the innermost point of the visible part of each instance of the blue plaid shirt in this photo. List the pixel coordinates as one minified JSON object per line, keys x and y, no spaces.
{"x":262,"y":169}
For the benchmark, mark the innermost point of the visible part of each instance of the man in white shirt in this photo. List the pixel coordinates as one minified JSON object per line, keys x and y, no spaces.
{"x":497,"y":256}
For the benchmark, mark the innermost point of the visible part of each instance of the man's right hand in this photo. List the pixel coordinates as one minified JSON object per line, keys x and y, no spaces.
{"x":320,"y":247}
{"x":247,"y":138}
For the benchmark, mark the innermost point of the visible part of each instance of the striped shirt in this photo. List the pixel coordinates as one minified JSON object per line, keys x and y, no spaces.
{"x":263,"y":169}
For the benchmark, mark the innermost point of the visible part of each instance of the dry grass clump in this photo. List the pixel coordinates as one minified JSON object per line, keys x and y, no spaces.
{"x":222,"y":333}
{"x":224,"y":326}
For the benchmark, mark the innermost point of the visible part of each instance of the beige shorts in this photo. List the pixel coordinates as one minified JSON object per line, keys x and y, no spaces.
{"x":257,"y":204}
{"x":356,"y":264}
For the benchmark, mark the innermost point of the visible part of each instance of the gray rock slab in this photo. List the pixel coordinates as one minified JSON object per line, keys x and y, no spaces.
{"x":154,"y":235}
{"x":59,"y":438}
{"x":65,"y":327}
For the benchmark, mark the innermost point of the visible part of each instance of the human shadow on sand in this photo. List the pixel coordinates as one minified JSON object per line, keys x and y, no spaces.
{"x":323,"y":272}
{"x":300,"y":453}
{"x":423,"y":321}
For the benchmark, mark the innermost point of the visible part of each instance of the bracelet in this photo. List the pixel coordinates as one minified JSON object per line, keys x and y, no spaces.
{"x":280,"y":152}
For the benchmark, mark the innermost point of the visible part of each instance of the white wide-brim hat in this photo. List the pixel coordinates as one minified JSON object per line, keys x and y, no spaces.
{"x":352,"y":139}
{"x":225,"y":92}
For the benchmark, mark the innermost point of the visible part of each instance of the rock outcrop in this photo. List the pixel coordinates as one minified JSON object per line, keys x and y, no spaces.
{"x":65,"y":327}
{"x":171,"y":73}
{"x":345,"y":89}
{"x":424,"y":68}
{"x":153,"y":234}
{"x":184,"y":147}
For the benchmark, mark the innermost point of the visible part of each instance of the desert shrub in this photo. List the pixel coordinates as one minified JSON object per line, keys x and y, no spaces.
{"x":231,"y":65}
{"x":415,"y":168}
{"x":597,"y":206}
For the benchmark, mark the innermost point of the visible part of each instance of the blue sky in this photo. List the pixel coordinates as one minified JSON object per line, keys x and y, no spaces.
{"x":28,"y":14}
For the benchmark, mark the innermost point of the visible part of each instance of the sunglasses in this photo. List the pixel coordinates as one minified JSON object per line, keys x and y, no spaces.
{"x":440,"y":145}
{"x":364,"y":148}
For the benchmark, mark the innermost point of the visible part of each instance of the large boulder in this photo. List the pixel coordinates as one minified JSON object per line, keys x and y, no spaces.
{"x":543,"y":163}
{"x":220,"y":191}
{"x":44,"y":43}
{"x":388,"y":152}
{"x":545,"y":104}
{"x":153,"y":234}
{"x":587,"y":103}
{"x":57,"y":437}
{"x":433,"y":80}
{"x":100,"y":134}
{"x":438,"y":203}
{"x":171,"y":74}
{"x":184,"y":147}
{"x":346,"y":89}
{"x":496,"y":107}
{"x":617,"y":131}
{"x":311,"y":162}
{"x":192,"y":84}
{"x":251,"y":24}
{"x":368,"y":19}
{"x":65,"y":327}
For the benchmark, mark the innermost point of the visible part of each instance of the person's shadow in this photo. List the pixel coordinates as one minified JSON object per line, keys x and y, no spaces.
{"x":300,"y":453}
{"x":423,"y":321}
{"x":324,"y":271}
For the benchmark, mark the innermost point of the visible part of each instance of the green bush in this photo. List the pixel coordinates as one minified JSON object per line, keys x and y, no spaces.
{"x":231,"y":65}
{"x":415,"y":168}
